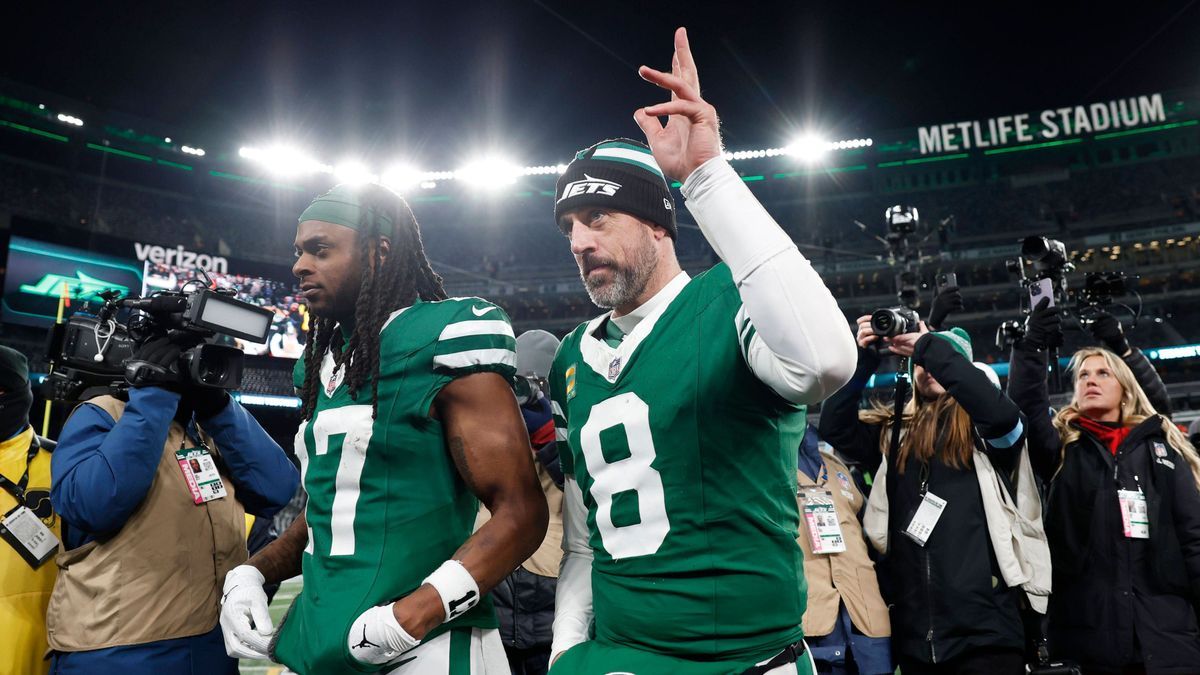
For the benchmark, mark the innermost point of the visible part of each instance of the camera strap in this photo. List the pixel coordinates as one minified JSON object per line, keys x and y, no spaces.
{"x":17,"y":489}
{"x":898,"y":407}
{"x":21,"y":528}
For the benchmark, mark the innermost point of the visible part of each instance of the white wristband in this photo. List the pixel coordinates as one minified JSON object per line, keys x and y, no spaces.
{"x":456,"y":586}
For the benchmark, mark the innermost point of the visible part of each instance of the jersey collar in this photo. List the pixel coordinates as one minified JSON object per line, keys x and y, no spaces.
{"x":601,"y":358}
{"x":663,"y":297}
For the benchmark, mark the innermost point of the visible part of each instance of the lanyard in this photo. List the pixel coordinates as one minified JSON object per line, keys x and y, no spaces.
{"x":17,"y":490}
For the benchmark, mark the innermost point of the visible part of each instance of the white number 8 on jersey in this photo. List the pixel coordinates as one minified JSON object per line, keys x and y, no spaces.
{"x":630,"y":473}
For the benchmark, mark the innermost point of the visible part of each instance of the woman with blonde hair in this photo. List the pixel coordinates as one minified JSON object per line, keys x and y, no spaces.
{"x":1123,"y":514}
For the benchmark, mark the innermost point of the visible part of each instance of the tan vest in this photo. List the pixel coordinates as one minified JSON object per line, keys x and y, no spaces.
{"x":160,"y":576}
{"x":847,"y":577}
{"x":548,"y":556}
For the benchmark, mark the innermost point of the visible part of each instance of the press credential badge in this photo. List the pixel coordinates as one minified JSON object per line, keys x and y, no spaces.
{"x":926,"y":518}
{"x":1135,"y":517}
{"x":200,"y":473}
{"x":27,"y":534}
{"x":820,"y":515}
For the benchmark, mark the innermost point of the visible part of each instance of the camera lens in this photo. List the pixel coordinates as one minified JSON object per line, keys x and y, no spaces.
{"x":884,"y":322}
{"x":1034,"y":248}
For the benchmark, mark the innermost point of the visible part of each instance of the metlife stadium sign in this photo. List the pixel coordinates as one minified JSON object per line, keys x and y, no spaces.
{"x":1046,"y":125}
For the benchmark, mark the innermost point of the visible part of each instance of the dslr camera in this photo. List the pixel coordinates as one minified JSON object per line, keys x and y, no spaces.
{"x":93,"y":354}
{"x":894,"y":321}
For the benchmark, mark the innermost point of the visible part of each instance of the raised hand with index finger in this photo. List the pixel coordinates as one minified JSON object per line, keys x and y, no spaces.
{"x":692,"y":134}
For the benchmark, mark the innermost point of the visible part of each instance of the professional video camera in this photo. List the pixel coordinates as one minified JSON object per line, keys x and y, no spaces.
{"x":92,"y":354}
{"x":1051,"y":264}
{"x":1099,"y":293}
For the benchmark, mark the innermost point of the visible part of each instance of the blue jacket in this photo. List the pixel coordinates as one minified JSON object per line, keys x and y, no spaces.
{"x":102,"y":470}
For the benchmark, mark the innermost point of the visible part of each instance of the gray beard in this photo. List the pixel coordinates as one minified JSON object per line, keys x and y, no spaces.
{"x":627,"y":283}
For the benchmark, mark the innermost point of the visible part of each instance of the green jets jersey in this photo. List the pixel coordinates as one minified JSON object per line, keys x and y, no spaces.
{"x":687,"y":463}
{"x":386,"y":505}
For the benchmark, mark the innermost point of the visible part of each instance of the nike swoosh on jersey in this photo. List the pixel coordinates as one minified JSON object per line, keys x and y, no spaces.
{"x":480,"y":311}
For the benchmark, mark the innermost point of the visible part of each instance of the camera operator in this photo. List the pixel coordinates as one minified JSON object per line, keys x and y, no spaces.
{"x":525,"y":599}
{"x":954,"y":609}
{"x":1123,"y":512}
{"x":148,"y":538}
{"x":30,"y":529}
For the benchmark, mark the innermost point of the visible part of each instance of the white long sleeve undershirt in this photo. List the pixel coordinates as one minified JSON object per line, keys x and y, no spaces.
{"x":801,"y":345}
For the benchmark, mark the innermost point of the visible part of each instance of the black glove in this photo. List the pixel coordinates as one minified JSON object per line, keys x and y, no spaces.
{"x":205,"y":401}
{"x":1043,"y":327}
{"x":155,"y":363}
{"x":1108,"y":331}
{"x":948,"y":301}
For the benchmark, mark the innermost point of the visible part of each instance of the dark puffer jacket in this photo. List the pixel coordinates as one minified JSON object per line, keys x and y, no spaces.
{"x":948,"y":597}
{"x":1117,"y":601}
{"x":525,"y":606}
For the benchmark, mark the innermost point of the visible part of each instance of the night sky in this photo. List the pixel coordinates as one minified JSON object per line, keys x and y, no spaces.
{"x":436,"y":82}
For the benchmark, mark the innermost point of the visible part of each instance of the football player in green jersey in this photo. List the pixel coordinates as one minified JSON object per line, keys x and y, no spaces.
{"x":409,"y":422}
{"x":679,"y":412}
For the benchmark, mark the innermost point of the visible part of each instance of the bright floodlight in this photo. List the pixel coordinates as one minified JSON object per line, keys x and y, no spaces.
{"x":400,"y":177}
{"x":490,"y":173}
{"x":353,"y":172}
{"x":808,"y":148}
{"x":283,"y":160}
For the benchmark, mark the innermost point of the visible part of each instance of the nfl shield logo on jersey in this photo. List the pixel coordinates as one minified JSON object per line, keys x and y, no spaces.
{"x":614,"y":369}
{"x":335,"y":381}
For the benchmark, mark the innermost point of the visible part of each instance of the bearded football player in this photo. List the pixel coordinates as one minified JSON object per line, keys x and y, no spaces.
{"x":409,"y":422}
{"x":679,"y":411}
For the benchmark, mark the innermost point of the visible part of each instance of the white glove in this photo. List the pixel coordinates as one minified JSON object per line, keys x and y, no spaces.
{"x":377,"y":638}
{"x":245,"y":621}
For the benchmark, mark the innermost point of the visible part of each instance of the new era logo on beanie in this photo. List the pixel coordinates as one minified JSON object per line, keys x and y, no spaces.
{"x":619,"y":174}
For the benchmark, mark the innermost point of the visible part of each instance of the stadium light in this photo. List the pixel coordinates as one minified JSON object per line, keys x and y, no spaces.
{"x":547,"y":170}
{"x":400,"y":177}
{"x":489,"y":173}
{"x":354,"y":173}
{"x":809,"y":148}
{"x":199,"y":152}
{"x":284,"y":160}
{"x":167,"y":139}
{"x":70,"y":119}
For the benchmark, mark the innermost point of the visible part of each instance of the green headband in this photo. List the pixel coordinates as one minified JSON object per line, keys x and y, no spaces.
{"x":342,"y":205}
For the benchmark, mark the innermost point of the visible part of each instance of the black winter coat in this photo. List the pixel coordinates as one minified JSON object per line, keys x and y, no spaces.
{"x":947,"y":598}
{"x":525,"y":606}
{"x":1117,"y":601}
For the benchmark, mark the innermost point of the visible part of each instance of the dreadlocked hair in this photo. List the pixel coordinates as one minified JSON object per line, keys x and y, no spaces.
{"x":387,"y":285}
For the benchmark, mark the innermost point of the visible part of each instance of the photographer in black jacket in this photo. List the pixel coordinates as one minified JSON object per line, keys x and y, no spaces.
{"x":952,"y":611}
{"x":1123,"y":513}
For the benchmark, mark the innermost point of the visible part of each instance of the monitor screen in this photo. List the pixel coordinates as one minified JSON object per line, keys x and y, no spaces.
{"x":44,"y":280}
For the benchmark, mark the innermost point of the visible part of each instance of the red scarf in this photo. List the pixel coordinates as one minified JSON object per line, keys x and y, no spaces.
{"x":1110,"y":436}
